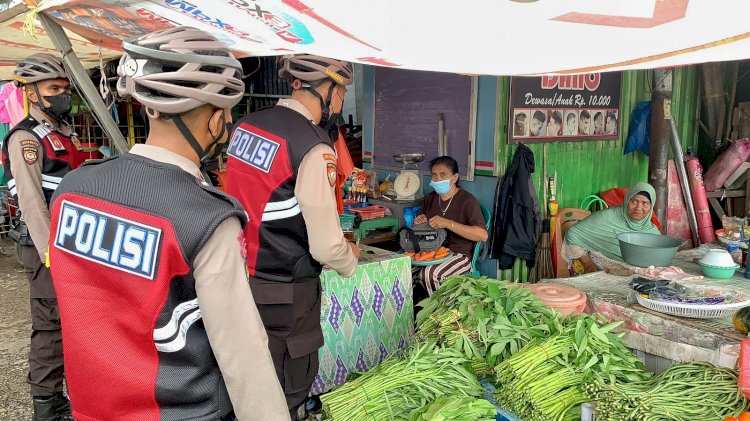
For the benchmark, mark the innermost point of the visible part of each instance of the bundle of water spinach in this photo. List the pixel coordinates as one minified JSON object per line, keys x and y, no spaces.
{"x":485,"y":319}
{"x":400,"y":385}
{"x":455,"y":408}
{"x":545,"y":380}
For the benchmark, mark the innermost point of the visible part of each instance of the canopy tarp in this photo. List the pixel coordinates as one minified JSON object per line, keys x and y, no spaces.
{"x":15,"y":44}
{"x":493,"y":37}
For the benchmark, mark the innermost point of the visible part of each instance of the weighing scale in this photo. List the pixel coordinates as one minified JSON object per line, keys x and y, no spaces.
{"x":408,"y":184}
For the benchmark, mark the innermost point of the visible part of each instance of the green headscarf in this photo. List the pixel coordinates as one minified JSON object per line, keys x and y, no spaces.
{"x":599,"y":231}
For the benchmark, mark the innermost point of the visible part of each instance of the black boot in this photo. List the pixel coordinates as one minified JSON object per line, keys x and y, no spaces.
{"x":44,"y":409}
{"x":55,"y":408}
{"x":62,"y":407}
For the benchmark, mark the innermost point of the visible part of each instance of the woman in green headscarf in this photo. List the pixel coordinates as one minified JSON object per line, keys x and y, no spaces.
{"x":591,"y":243}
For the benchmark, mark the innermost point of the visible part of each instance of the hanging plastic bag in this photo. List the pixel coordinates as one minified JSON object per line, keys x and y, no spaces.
{"x":744,"y":362}
{"x":639,"y":129}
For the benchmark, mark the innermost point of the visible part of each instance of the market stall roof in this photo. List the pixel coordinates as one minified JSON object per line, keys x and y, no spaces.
{"x":15,"y":44}
{"x":500,"y":37}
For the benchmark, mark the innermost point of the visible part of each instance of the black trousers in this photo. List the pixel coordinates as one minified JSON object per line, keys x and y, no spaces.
{"x":46,"y":352}
{"x":291,"y":316}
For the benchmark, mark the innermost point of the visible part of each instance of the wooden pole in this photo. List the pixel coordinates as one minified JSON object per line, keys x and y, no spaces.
{"x":661,"y":102}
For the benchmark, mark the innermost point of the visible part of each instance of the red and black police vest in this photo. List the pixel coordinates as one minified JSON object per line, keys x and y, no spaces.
{"x":124,"y":235}
{"x":59,"y":156}
{"x":264,"y":155}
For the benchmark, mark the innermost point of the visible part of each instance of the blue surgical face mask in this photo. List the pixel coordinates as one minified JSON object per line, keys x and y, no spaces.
{"x":441,"y":187}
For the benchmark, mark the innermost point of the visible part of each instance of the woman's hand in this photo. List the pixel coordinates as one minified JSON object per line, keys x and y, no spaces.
{"x":420,"y":219}
{"x":588,"y":265}
{"x":440,"y":222}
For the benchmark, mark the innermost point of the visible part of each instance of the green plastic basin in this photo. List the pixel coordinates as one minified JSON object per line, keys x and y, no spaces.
{"x":644,"y":250}
{"x":718,"y":272}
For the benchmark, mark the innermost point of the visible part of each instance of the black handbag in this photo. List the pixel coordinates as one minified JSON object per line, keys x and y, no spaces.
{"x":421,"y":237}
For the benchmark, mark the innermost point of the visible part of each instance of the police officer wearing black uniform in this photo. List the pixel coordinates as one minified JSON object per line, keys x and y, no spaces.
{"x":37,"y":153}
{"x":282,"y":167}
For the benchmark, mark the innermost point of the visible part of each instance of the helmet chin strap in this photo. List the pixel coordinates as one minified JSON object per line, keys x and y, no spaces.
{"x":203,"y":154}
{"x":325,"y":106}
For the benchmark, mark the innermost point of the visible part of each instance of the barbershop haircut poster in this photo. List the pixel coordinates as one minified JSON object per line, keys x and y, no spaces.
{"x":565,"y":108}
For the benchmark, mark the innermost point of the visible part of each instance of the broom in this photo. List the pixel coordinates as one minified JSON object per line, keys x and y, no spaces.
{"x":543,"y":268}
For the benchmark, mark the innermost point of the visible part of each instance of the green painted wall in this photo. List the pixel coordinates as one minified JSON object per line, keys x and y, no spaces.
{"x":585,"y":168}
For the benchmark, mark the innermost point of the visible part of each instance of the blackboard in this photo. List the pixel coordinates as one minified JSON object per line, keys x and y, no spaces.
{"x":407,"y":104}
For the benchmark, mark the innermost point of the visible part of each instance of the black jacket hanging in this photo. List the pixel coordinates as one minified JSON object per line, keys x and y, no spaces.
{"x":517,"y":214}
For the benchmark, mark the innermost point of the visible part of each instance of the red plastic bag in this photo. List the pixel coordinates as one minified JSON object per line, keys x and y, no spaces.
{"x":744,"y":361}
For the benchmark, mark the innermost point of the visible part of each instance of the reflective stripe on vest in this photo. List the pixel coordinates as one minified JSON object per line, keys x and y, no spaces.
{"x":177,"y":327}
{"x":281,"y":210}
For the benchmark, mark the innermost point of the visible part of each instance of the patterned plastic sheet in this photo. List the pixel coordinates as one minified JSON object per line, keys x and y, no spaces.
{"x":713,"y":340}
{"x":364,"y":318}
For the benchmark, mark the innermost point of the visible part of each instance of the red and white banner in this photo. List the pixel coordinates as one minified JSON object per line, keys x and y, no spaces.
{"x":493,"y":37}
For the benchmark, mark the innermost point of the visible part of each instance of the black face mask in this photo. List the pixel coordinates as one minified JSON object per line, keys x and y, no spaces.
{"x":227,"y":127}
{"x":331,"y":125}
{"x":330,"y":122}
{"x":59,"y":105}
{"x":218,"y":148}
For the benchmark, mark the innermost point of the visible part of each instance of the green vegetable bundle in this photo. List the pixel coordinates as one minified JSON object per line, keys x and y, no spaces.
{"x":485,"y":319}
{"x":690,"y":391}
{"x":455,"y":408}
{"x":544,"y":381}
{"x":400,"y":385}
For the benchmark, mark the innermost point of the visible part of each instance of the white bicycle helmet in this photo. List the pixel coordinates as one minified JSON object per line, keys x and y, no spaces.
{"x":177,"y":70}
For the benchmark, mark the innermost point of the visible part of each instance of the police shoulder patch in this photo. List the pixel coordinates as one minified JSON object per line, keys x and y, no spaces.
{"x":108,"y":240}
{"x":331,"y":172}
{"x":30,"y":151}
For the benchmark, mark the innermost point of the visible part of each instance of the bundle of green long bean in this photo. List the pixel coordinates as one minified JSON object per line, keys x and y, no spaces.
{"x":690,"y":391}
{"x":485,"y":319}
{"x":455,"y":408}
{"x":549,"y":392}
{"x":400,"y":385}
{"x":544,"y":381}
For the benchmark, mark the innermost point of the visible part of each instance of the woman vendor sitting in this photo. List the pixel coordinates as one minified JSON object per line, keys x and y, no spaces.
{"x":456,"y":210}
{"x":591,"y":244}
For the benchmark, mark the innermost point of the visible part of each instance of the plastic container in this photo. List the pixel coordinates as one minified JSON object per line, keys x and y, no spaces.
{"x":356,"y":205}
{"x":736,"y":252}
{"x":719,"y":272}
{"x":347,"y":222}
{"x":718,"y":258}
{"x":567,"y":300}
{"x":644,"y":250}
{"x":370,"y":212}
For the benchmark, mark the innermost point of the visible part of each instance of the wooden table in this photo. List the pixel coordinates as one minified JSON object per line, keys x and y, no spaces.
{"x":661,"y":337}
